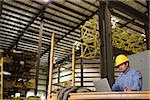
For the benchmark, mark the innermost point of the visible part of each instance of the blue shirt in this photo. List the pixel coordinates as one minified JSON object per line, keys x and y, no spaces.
{"x":131,"y":78}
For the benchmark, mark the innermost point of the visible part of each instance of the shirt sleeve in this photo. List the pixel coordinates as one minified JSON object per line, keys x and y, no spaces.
{"x":137,"y":79}
{"x":115,"y":86}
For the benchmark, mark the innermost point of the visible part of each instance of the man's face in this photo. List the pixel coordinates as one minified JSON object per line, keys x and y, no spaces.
{"x":123,"y":67}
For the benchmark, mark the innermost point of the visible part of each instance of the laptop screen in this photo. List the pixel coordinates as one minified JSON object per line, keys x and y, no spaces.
{"x":102,"y":85}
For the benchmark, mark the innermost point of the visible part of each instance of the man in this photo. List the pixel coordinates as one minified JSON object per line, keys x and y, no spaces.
{"x":129,"y":78}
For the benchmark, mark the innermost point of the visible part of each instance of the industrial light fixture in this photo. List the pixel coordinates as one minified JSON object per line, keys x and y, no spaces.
{"x":114,"y":20}
{"x":77,"y":44}
{"x":143,"y":35}
{"x":46,"y":0}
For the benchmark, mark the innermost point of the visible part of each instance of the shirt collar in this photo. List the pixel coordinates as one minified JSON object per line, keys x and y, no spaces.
{"x":126,"y":70}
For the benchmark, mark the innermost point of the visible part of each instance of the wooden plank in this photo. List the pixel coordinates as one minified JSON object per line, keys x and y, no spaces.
{"x":73,"y":66}
{"x":106,"y":95}
{"x":1,"y":82}
{"x":51,"y":66}
{"x":109,"y":95}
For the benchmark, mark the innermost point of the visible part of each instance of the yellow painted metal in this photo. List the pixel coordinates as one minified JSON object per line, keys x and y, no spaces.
{"x":6,"y":60}
{"x":29,"y":85}
{"x":1,"y":78}
{"x":90,"y":40}
{"x":122,"y":39}
{"x":128,"y":41}
{"x":73,"y":66}
{"x":21,"y":85}
{"x":51,"y":66}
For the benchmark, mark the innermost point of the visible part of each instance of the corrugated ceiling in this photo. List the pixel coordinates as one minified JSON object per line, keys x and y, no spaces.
{"x":20,"y":22}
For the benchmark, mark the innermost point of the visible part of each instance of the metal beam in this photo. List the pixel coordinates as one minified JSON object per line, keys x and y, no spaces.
{"x":76,"y":17}
{"x":19,"y":8}
{"x":147,"y":31}
{"x":127,"y":19}
{"x":73,"y":29}
{"x":48,"y":73}
{"x":1,"y":3}
{"x":82,"y":72}
{"x":79,"y":6}
{"x":37,"y":24}
{"x":129,"y":11}
{"x":103,"y":68}
{"x":38,"y":14}
{"x":9,"y":15}
{"x":69,"y":9}
{"x":13,"y":25}
{"x":61,"y":23}
{"x":86,"y":1}
{"x":57,"y":10}
{"x":16,"y":13}
{"x":140,"y":3}
{"x":62,"y":18}
{"x":107,"y":68}
{"x":124,"y":25}
{"x":39,"y":55}
{"x":130,"y":28}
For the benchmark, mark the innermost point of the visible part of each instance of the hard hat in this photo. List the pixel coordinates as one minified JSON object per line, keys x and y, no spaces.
{"x":120,"y":59}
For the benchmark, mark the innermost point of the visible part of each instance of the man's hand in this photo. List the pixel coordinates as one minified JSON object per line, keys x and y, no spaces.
{"x":127,"y":89}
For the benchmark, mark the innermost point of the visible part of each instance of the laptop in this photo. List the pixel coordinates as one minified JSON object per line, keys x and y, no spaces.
{"x":102,"y":85}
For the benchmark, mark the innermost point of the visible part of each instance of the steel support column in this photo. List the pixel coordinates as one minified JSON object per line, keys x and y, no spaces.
{"x":107,"y":69}
{"x":58,"y":71}
{"x":81,"y":62}
{"x":81,"y":72}
{"x":39,"y":54}
{"x":147,"y":30}
{"x":48,"y":73}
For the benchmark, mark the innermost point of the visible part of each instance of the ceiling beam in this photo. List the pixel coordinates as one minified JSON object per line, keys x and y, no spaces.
{"x":79,"y":6}
{"x":129,"y":11}
{"x":45,"y":21}
{"x":19,"y":8}
{"x":137,"y":1}
{"x":86,"y":1}
{"x":130,"y":28}
{"x":133,"y":20}
{"x":128,"y":20}
{"x":69,"y":9}
{"x":1,"y":3}
{"x":38,"y":14}
{"x":76,"y":17}
{"x":72,"y":30}
{"x":17,"y":13}
{"x":62,"y":18}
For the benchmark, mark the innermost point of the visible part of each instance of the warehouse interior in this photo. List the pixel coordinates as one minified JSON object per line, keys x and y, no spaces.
{"x":41,"y":41}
